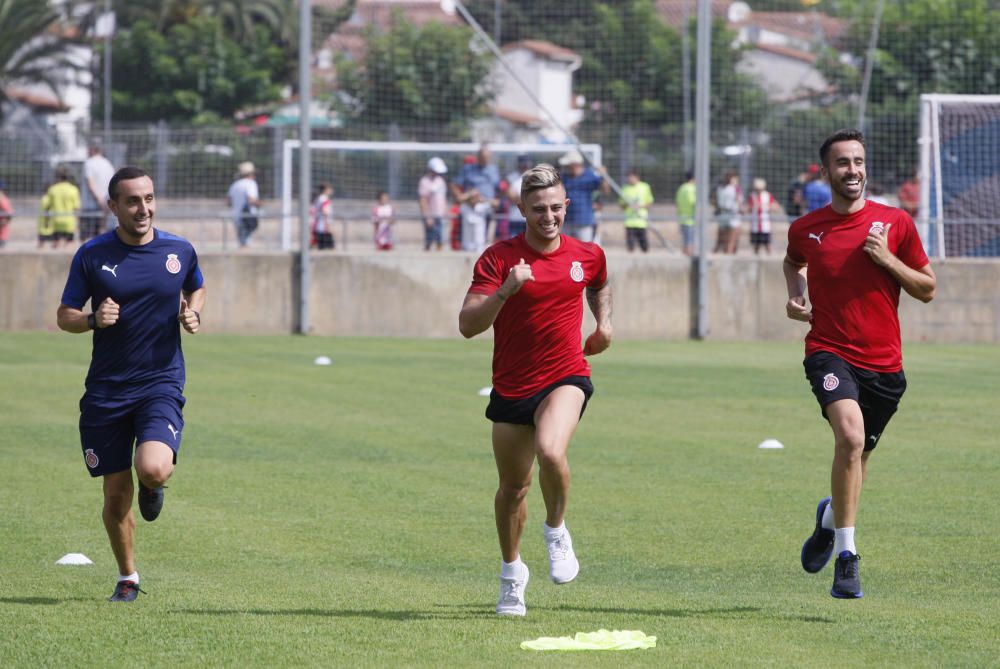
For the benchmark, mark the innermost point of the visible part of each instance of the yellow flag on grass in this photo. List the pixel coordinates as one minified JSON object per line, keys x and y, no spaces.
{"x":599,"y":640}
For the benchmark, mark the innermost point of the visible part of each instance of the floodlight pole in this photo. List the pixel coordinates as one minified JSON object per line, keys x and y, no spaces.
{"x":869,"y":64}
{"x":305,"y":158}
{"x":702,"y":157}
{"x":107,"y":75}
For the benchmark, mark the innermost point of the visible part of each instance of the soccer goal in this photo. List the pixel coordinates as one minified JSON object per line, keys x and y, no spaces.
{"x":358,"y":170}
{"x":960,"y":174}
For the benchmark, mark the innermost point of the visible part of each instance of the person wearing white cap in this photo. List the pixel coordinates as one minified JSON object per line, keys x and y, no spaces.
{"x":581,"y":183}
{"x":244,"y":199}
{"x":432,"y":193}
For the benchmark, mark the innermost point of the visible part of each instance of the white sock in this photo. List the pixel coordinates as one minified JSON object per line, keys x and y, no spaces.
{"x":844,"y":540}
{"x":134,"y":577}
{"x":827,"y":521}
{"x":512,"y":569}
{"x":553,"y":531}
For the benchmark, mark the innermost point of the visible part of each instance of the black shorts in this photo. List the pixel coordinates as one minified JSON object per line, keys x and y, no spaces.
{"x":878,"y":394}
{"x":760,"y":238}
{"x":522,"y":411}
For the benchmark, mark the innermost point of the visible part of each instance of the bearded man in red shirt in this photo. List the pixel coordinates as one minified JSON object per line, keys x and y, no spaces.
{"x":530,"y":290}
{"x":859,"y":254}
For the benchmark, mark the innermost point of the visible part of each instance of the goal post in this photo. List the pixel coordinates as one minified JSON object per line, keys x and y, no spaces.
{"x":358,"y":169}
{"x":959,"y":142}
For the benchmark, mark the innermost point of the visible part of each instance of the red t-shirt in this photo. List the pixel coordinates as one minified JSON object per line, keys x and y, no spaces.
{"x":854,"y":301}
{"x":536,"y":335}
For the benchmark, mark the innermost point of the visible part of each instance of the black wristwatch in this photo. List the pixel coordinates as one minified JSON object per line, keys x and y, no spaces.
{"x":92,"y":321}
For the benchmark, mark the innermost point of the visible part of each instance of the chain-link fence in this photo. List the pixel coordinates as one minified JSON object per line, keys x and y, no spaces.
{"x":618,"y":75}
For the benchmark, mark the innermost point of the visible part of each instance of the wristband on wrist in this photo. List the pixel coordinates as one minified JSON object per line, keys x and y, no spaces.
{"x":92,"y":321}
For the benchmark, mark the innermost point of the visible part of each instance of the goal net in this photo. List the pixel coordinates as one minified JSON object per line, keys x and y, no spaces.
{"x":360,"y":170}
{"x":960,"y":174}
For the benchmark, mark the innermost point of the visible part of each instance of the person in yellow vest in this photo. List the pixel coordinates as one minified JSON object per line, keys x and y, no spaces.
{"x":636,"y":198}
{"x":60,"y":207}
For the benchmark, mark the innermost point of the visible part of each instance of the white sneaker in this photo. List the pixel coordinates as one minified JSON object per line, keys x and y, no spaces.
{"x":511,"y":602}
{"x":563,"y":565}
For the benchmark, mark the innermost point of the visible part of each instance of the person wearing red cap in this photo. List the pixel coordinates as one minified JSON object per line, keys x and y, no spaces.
{"x":816,"y":194}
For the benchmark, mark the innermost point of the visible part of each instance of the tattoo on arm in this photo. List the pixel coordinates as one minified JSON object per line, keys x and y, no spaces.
{"x":599,"y":300}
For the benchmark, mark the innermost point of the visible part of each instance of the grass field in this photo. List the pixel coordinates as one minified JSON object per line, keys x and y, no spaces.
{"x":342,"y":515}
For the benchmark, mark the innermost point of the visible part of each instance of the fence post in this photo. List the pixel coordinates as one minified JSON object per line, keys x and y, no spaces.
{"x":162,"y":135}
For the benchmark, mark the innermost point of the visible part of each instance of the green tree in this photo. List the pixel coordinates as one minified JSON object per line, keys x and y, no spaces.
{"x":425,"y":78}
{"x":32,"y":49}
{"x":193,"y":72}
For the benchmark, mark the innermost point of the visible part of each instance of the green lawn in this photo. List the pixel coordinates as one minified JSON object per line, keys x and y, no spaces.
{"x":342,"y":515}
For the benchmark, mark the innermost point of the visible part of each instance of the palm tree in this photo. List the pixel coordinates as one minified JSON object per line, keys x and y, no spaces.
{"x":32,"y":48}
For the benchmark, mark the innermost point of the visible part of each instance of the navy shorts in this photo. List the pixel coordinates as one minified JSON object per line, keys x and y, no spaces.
{"x":109,"y":434}
{"x":522,"y":411}
{"x":878,"y":394}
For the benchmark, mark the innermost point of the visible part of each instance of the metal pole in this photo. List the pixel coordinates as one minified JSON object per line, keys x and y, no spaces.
{"x":686,"y":83}
{"x":702,"y":157}
{"x":869,"y":64}
{"x":497,"y":19}
{"x":305,"y":162}
{"x":107,"y":76}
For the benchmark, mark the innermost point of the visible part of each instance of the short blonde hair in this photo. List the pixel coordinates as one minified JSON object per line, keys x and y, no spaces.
{"x":539,"y":177}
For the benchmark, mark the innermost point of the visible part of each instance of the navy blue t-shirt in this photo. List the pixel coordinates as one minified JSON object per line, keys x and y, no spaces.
{"x":580,"y":192}
{"x":141,"y":353}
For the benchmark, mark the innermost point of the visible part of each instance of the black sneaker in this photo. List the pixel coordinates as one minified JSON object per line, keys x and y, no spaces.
{"x":846,"y":579}
{"x":150,"y":502}
{"x":818,"y":548}
{"x":126,"y":591}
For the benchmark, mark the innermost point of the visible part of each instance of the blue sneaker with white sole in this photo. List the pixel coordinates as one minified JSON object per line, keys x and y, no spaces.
{"x":818,"y":548}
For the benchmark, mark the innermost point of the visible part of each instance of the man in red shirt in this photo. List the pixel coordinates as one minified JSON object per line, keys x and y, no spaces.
{"x":859,"y":254}
{"x":529,"y":288}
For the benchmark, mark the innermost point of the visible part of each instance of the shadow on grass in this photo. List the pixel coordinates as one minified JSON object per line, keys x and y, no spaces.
{"x":730,"y":613}
{"x":377,"y":614}
{"x":41,"y":601}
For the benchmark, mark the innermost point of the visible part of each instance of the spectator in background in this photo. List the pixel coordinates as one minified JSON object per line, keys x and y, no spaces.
{"x":760,"y":204}
{"x":686,"y":198}
{"x":97,"y":172}
{"x":876,"y":193}
{"x":816,"y":193}
{"x":728,"y":203}
{"x":636,"y":198}
{"x":909,"y":196}
{"x":475,"y":216}
{"x":383,"y":218}
{"x":515,"y":219}
{"x":794,"y":199}
{"x":581,"y":182}
{"x":244,"y":199}
{"x":6,"y":213}
{"x":482,"y":176}
{"x":59,"y":208}
{"x":322,"y":219}
{"x":432,"y":193}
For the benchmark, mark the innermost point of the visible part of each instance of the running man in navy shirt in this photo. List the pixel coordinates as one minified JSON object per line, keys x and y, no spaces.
{"x":143,"y":286}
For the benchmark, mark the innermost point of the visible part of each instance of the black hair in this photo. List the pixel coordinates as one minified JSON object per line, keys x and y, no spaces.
{"x":124,"y":174}
{"x":844,"y":135}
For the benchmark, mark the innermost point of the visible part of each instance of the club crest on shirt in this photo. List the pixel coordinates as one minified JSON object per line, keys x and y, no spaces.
{"x":877,"y":226}
{"x":173,"y":264}
{"x":576,"y":271}
{"x":830,"y":382}
{"x":91,"y":458}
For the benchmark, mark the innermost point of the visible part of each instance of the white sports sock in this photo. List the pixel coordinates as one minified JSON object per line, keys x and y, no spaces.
{"x":827,"y":521}
{"x":513,"y":569}
{"x":134,"y":577}
{"x":844,"y":540}
{"x":553,"y":531}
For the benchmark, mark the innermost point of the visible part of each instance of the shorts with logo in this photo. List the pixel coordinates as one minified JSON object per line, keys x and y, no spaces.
{"x":877,"y":393}
{"x":522,"y":411}
{"x":109,"y":432}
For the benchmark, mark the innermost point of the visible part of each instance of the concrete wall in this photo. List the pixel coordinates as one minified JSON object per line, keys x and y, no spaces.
{"x":403,"y":294}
